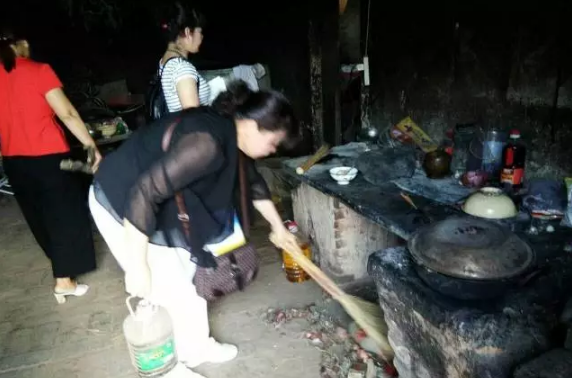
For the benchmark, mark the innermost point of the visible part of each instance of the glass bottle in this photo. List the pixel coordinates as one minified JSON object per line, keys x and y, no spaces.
{"x":514,"y":156}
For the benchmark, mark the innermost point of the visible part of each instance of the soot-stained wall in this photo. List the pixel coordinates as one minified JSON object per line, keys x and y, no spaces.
{"x":497,"y":69}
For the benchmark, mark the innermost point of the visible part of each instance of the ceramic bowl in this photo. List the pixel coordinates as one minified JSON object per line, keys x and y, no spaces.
{"x":490,"y":203}
{"x":343,"y":175}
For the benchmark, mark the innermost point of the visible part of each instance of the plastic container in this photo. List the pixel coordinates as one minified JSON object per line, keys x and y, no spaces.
{"x":149,"y":334}
{"x":294,"y":273}
{"x":493,"y":145}
{"x":463,"y":136}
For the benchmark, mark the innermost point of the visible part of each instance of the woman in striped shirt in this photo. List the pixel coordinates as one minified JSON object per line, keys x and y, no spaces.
{"x":183,"y":87}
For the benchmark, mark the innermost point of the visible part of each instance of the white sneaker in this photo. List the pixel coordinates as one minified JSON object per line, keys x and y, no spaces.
{"x":220,"y":353}
{"x":216,"y":353}
{"x":181,"y":371}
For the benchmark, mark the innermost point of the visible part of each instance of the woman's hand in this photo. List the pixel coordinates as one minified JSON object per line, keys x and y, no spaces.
{"x":138,"y":280}
{"x":282,"y":238}
{"x":94,"y":160}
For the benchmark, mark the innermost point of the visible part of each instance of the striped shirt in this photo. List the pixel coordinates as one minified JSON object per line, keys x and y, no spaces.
{"x":176,"y":70}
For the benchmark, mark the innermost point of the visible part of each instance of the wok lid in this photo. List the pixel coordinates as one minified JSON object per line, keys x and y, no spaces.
{"x":471,"y":248}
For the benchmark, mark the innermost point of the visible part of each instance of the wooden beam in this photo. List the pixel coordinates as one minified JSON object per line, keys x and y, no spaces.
{"x":325,"y":72}
{"x":331,"y":72}
{"x":317,"y":125}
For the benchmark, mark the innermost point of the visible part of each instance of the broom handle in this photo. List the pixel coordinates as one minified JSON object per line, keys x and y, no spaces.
{"x":313,"y":271}
{"x":322,"y":151}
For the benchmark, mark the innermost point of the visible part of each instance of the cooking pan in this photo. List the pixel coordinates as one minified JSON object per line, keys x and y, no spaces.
{"x":470,"y":258}
{"x":471,"y":289}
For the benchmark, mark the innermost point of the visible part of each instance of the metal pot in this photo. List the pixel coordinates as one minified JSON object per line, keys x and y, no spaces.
{"x":470,"y":259}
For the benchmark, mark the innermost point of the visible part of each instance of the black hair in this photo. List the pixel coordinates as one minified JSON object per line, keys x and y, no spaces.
{"x":177,"y":18}
{"x":270,"y":109}
{"x":7,"y":54}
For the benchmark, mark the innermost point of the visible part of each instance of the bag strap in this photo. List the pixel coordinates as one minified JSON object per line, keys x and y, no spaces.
{"x":161,"y":69}
{"x":183,"y":215}
{"x":244,"y":208}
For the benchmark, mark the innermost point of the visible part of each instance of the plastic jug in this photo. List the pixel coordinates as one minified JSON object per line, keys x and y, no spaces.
{"x":294,"y":272}
{"x":149,"y":334}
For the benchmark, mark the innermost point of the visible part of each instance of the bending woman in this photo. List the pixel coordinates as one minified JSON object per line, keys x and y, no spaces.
{"x":33,"y":145}
{"x":132,"y":202}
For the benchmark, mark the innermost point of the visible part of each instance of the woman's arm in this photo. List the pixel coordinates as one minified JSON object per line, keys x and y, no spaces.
{"x":67,"y":113}
{"x":188,"y":93}
{"x":261,"y":200}
{"x":261,"y":197}
{"x":186,"y":79}
{"x":267,"y":209}
{"x":280,"y":236}
{"x":137,"y":241}
{"x":137,"y":273}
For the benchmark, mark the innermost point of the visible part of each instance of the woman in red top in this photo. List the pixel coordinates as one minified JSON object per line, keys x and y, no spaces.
{"x":32,"y":146}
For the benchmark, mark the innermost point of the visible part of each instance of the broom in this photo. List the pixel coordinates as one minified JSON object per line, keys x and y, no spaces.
{"x":366,"y":314}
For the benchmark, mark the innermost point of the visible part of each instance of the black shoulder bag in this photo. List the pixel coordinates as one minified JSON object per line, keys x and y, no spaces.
{"x":155,"y":97}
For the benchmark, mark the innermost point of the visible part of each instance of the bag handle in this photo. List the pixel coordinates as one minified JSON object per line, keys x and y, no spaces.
{"x":183,"y":215}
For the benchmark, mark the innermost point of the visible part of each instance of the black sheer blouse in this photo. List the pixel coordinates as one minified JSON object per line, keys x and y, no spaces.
{"x":139,"y":180}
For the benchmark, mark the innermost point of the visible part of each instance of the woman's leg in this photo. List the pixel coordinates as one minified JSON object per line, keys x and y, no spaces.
{"x":52,"y":203}
{"x":29,"y":200}
{"x":172,"y":287}
{"x":71,"y":236}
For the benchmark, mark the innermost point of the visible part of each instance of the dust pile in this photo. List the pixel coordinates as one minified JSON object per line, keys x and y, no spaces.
{"x":341,"y":355}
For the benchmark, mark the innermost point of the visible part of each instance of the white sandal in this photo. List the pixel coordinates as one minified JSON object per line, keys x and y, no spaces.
{"x":78,"y":291}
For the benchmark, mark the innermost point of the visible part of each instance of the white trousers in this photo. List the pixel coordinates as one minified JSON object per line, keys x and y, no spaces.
{"x":172,"y":286}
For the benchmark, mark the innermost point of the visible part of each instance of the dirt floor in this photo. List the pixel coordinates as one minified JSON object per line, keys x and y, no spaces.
{"x":83,"y":338}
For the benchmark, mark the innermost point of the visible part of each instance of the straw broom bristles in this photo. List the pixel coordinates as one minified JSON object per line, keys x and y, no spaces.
{"x":366,"y":314}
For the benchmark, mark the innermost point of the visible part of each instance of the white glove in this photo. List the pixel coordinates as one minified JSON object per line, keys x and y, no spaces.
{"x":138,"y":280}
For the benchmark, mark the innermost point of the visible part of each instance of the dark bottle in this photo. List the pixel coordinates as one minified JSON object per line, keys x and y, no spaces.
{"x":514,"y":156}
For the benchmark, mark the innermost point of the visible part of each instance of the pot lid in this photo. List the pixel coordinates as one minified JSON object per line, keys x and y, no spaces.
{"x":471,"y":248}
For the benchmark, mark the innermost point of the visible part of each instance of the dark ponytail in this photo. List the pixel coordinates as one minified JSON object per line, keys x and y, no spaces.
{"x":8,"y":38}
{"x":176,"y":18}
{"x":7,"y":54}
{"x":270,"y":109}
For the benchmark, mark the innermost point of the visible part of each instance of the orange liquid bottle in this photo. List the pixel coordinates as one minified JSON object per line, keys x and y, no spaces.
{"x":295,"y":273}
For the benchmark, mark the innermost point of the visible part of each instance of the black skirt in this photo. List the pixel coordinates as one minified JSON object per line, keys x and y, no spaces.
{"x":54,"y":205}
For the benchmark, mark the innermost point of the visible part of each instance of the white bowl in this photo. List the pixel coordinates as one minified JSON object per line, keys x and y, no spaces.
{"x":343,"y":175}
{"x":490,"y":203}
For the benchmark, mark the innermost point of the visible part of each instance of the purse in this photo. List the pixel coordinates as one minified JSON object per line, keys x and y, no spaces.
{"x":236,"y":267}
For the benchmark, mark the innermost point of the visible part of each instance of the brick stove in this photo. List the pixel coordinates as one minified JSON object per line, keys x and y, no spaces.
{"x":439,"y":337}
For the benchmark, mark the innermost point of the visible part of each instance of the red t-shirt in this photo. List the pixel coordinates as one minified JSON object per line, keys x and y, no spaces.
{"x":28,"y":125}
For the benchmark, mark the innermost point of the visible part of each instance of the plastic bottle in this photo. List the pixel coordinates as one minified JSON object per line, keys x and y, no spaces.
{"x":514,"y":156}
{"x":294,"y":273}
{"x":121,"y":126}
{"x":149,"y":334}
{"x":493,"y":146}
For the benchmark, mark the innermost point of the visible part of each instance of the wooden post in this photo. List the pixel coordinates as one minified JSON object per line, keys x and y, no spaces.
{"x":331,"y":72}
{"x":317,"y":125}
{"x":325,"y":66}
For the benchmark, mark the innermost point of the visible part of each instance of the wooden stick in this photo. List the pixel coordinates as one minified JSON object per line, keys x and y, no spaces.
{"x":409,"y":200}
{"x":322,"y":151}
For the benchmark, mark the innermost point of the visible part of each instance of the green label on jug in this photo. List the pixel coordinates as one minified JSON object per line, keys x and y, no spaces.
{"x":154,"y":358}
